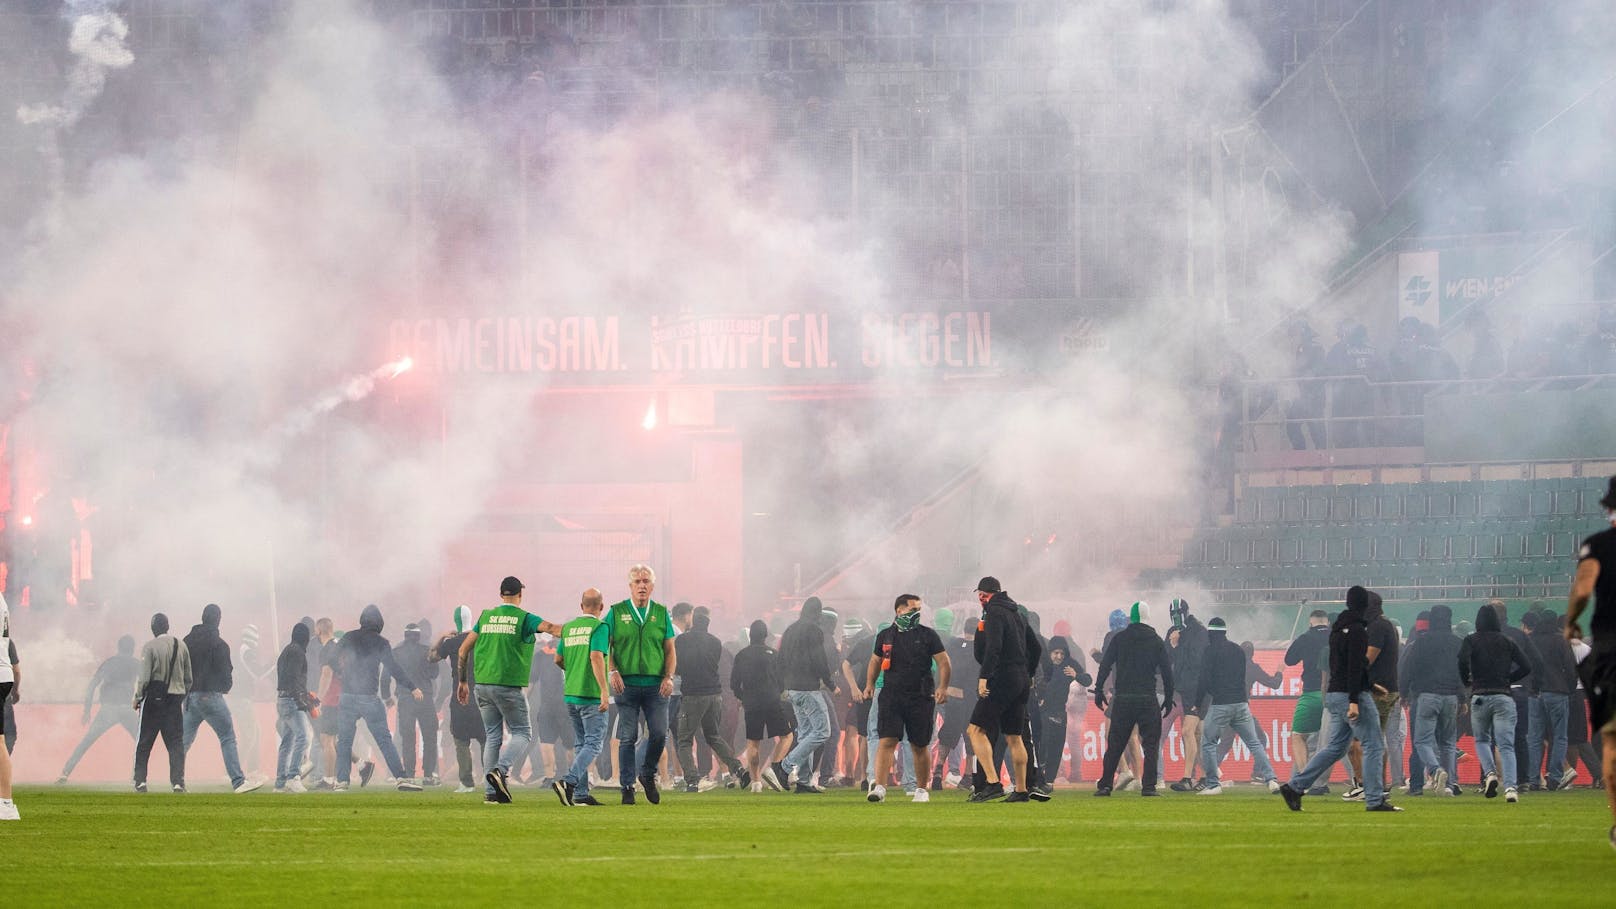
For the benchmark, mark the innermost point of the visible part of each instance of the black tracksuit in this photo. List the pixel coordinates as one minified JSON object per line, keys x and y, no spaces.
{"x":1138,"y":655}
{"x":1489,"y":662}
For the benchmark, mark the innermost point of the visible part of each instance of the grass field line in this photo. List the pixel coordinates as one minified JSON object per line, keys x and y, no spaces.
{"x":459,"y":862}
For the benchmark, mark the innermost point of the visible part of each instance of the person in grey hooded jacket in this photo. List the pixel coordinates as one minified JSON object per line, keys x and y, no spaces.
{"x":360,"y":658}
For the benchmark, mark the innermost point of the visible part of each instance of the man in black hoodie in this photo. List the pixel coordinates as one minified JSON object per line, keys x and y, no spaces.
{"x":211,"y":674}
{"x":1489,"y":664}
{"x":1555,"y":685}
{"x":1351,"y":705}
{"x":1007,"y":652}
{"x":1383,"y":656}
{"x":1312,"y":650}
{"x":361,"y":656}
{"x":702,"y":705}
{"x":1054,"y":692}
{"x":1599,"y":667}
{"x":413,"y":657}
{"x":1523,"y":691}
{"x":755,"y":679}
{"x":806,"y":670}
{"x":292,"y":701}
{"x":1223,"y":678}
{"x":1138,"y":655}
{"x":1430,"y":676}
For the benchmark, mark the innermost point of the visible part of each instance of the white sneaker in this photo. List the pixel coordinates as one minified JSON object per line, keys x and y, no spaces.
{"x":878,"y":793}
{"x":1273,"y":785}
{"x":951,"y":780}
{"x":1567,"y":779}
{"x":8,"y":811}
{"x":296,"y":785}
{"x":248,"y":785}
{"x":1510,"y":795}
{"x":1211,"y":789}
{"x":705,"y":785}
{"x":1439,"y":780}
{"x":462,"y":790}
{"x":1124,"y":781}
{"x":920,"y":795}
{"x":757,"y":786}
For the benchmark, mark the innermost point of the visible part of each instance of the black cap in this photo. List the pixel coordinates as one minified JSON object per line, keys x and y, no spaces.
{"x":510,"y":587}
{"x":1609,"y":501}
{"x":989,"y":585}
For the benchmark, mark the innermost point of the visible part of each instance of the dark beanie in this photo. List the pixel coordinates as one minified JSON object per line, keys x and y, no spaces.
{"x":211,"y":614}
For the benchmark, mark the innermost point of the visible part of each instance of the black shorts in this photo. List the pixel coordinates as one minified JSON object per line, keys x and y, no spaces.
{"x":1599,"y":679}
{"x":765,"y":722}
{"x":911,"y":716}
{"x":326,"y":722}
{"x":554,"y":726}
{"x":5,"y":698}
{"x":1004,"y":709}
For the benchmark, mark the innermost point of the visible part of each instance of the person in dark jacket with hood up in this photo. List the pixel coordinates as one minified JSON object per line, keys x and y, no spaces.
{"x":806,"y":669}
{"x":292,"y":703}
{"x":1187,"y":659}
{"x":1351,"y":706}
{"x":1223,"y":678}
{"x":1007,"y":653}
{"x":212,"y":679}
{"x":1139,"y":656}
{"x":1430,"y":677}
{"x":361,"y":656}
{"x":1489,"y":664}
{"x":703,"y":703}
{"x":755,"y":680}
{"x":1065,"y":668}
{"x":1555,"y":684}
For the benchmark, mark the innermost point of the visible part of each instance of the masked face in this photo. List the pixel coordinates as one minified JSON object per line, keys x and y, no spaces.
{"x":909,"y":616}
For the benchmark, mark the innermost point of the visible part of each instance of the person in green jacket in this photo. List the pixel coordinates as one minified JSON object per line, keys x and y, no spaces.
{"x":642,"y":662}
{"x":501,"y":648}
{"x":581,"y":654}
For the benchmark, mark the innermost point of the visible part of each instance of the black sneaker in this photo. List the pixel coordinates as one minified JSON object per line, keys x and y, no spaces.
{"x":563,"y":791}
{"x":692,"y":787}
{"x":781,"y":775}
{"x":744,"y":777}
{"x":1383,"y":806}
{"x":988,"y":793}
{"x":1041,"y":793}
{"x":1454,"y":788}
{"x":628,"y":795}
{"x":584,"y":801}
{"x":864,"y":785}
{"x":366,"y":770}
{"x":502,"y":787}
{"x":1184,"y":785}
{"x":1491,"y":791}
{"x":936,"y":782}
{"x":1103,"y":791}
{"x":808,"y":788}
{"x":652,"y":793}
{"x":1293,"y":799}
{"x":1147,"y":793}
{"x":1018,"y":796}
{"x":140,"y":787}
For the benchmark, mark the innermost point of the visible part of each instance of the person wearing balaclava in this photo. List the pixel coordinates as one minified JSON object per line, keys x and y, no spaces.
{"x":699,"y":652}
{"x":160,"y":686}
{"x":1351,"y":704}
{"x":806,"y":670}
{"x":115,"y":677}
{"x":210,"y":662}
{"x":1223,"y":678}
{"x":1139,"y":657}
{"x":1008,"y":652}
{"x":416,"y":716}
{"x":362,"y":655}
{"x":1383,"y":656}
{"x":1188,"y":657}
{"x":293,"y":701}
{"x":1430,"y":678}
{"x":465,"y":722}
{"x":1489,"y":664}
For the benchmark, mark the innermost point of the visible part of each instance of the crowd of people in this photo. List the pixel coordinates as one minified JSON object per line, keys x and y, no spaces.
{"x":896,"y":705}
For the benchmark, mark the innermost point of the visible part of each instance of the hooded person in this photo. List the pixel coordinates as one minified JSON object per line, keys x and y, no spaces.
{"x":1556,"y":681}
{"x":114,"y":679}
{"x":1430,"y":681}
{"x":416,"y":718}
{"x":806,"y":671}
{"x":160,"y":686}
{"x":756,"y":682}
{"x":1351,"y":705}
{"x":1065,"y":668}
{"x":361,"y":657}
{"x":292,"y":705}
{"x":211,"y":666}
{"x":1223,"y":678}
{"x":1188,"y":657}
{"x":1139,"y":657}
{"x":465,"y":721}
{"x":1007,"y":653}
{"x":1383,"y":654}
{"x":1490,"y":663}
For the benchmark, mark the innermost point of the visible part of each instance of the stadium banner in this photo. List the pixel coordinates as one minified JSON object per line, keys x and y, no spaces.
{"x":1476,"y":275}
{"x":1418,"y":282}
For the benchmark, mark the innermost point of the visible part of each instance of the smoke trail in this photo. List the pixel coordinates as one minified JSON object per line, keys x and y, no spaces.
{"x":97,"y":45}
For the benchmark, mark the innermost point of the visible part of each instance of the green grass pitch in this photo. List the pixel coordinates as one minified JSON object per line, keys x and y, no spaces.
{"x":86,"y":847}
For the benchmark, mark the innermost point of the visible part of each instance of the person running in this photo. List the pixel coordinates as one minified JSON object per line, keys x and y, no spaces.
{"x":361,"y":657}
{"x":755,"y":680}
{"x":1223,"y":679}
{"x":1351,"y":705}
{"x":1007,"y":652}
{"x":903,"y":657}
{"x":114,"y":678}
{"x":642,"y":663}
{"x":210,"y":665}
{"x":465,"y":722}
{"x":581,"y":653}
{"x":1599,"y":669}
{"x":160,"y":686}
{"x":502,"y":647}
{"x":702,"y":701}
{"x":1489,"y":664}
{"x":1140,"y":657}
{"x":292,"y":703}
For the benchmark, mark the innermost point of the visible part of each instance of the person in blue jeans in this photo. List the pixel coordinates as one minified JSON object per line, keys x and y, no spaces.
{"x":211,"y":681}
{"x":642,"y":663}
{"x":581,"y":654}
{"x":805,"y":669}
{"x":291,"y":721}
{"x":360,"y":658}
{"x":1223,"y":681}
{"x":1556,"y":682}
{"x":1489,"y":663}
{"x":1351,"y":705}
